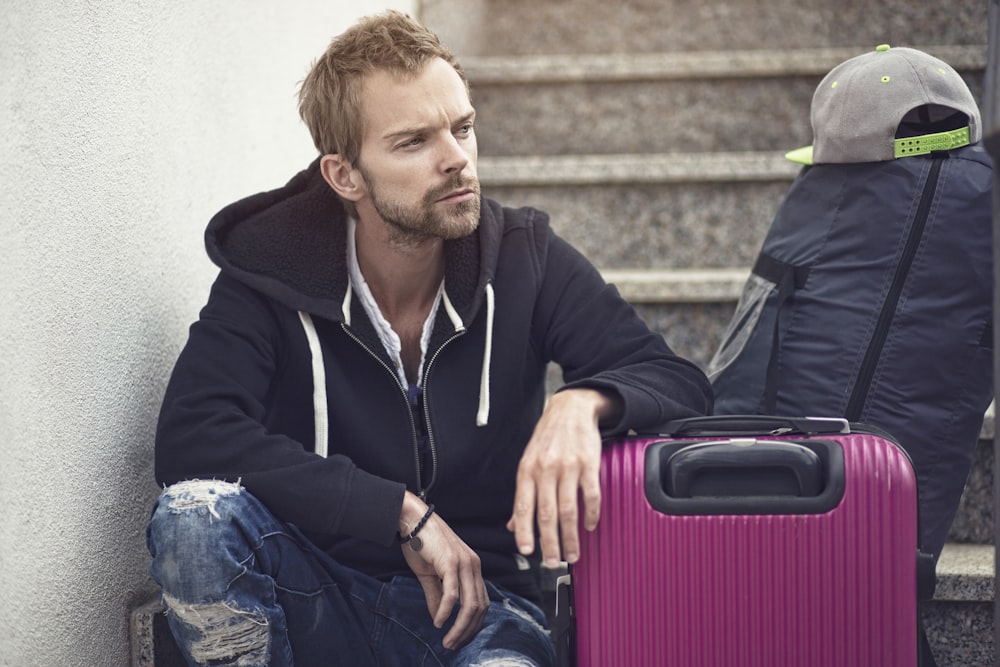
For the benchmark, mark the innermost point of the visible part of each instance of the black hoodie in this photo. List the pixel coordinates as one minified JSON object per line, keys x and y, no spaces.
{"x":285,"y":386}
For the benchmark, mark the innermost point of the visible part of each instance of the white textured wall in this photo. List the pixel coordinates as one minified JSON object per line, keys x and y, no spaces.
{"x":123,"y":126}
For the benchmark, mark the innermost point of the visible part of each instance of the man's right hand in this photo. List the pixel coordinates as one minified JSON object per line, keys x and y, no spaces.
{"x":448,"y":570}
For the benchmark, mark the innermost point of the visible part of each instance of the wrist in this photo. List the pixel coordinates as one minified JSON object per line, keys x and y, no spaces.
{"x":412,"y":537}
{"x":412,"y":510}
{"x":600,"y":405}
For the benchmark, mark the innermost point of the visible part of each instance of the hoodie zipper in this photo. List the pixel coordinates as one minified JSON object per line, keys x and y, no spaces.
{"x":863,"y":384}
{"x":422,"y":490}
{"x":427,"y":419}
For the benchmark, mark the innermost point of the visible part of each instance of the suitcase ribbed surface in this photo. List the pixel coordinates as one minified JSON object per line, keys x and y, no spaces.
{"x":825,"y":590}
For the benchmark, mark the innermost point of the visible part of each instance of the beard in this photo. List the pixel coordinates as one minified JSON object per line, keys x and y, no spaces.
{"x":425,"y":220}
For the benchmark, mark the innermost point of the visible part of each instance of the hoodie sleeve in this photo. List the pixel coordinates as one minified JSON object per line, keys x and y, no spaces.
{"x":212,"y":425}
{"x":601,"y":342}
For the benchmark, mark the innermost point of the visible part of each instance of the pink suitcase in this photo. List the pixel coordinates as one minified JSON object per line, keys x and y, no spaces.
{"x":705,"y":555}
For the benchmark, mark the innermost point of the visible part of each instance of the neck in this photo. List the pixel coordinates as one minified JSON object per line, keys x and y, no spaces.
{"x":403,"y":277}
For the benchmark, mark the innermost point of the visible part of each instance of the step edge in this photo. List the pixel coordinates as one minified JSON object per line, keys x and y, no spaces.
{"x":636,"y":168}
{"x":685,"y":65}
{"x":965,"y":573}
{"x":689,"y":285}
{"x":141,"y":632}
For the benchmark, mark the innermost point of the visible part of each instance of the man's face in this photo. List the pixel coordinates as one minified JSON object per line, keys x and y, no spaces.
{"x":418,"y":156}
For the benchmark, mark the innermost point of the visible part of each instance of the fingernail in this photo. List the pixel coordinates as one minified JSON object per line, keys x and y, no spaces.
{"x":525,"y":549}
{"x":551,"y":563}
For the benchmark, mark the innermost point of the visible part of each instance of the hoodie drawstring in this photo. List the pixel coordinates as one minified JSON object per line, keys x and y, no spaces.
{"x":483,"y":415}
{"x":320,"y":422}
{"x":345,"y":307}
{"x":320,"y":418}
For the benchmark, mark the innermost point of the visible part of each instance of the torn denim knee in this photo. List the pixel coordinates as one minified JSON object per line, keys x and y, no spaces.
{"x":225,"y":635}
{"x":197,"y":494}
{"x":518,"y":611}
{"x":503,"y":659}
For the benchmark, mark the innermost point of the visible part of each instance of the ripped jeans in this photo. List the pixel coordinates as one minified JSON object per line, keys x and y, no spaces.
{"x":242,"y":588}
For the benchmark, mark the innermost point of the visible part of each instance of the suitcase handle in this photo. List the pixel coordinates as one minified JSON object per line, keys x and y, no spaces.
{"x":744,"y":476}
{"x":743,"y":468}
{"x":729,"y":425}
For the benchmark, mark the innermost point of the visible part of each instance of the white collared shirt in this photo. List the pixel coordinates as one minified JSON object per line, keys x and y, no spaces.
{"x":389,"y":338}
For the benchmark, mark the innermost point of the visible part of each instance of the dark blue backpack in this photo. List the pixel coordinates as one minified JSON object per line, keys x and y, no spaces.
{"x":871,"y":299}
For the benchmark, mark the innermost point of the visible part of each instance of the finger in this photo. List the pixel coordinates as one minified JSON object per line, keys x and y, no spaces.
{"x":522,"y":522}
{"x":590,"y":487}
{"x":449,"y":596}
{"x":548,"y":520}
{"x":569,"y":517}
{"x":472,"y":609}
{"x":432,"y":593}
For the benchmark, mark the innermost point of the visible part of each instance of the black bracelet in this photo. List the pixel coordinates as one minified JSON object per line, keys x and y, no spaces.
{"x":416,"y":543}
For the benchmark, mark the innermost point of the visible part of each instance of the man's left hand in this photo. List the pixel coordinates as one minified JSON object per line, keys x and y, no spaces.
{"x":562,"y":458}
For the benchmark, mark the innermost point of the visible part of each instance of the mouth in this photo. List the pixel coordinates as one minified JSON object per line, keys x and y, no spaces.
{"x":457,"y":196}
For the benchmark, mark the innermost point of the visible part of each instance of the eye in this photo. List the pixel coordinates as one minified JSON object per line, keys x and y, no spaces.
{"x":465,"y":129}
{"x":412,"y":142}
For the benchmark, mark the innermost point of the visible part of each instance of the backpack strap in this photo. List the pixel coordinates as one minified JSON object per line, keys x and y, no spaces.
{"x":787,"y":278}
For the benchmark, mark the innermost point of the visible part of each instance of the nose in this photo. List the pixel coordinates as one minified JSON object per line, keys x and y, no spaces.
{"x":455,"y":155}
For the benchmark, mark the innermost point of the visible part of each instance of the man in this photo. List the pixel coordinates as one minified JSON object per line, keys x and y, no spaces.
{"x":354,"y":434}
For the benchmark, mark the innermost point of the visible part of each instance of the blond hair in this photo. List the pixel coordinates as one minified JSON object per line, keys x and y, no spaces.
{"x":330,"y":95}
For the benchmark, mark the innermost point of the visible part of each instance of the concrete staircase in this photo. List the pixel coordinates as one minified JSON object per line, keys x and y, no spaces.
{"x":653,"y":132}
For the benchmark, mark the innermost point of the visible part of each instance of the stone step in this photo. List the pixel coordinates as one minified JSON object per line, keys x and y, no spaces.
{"x":730,"y":63}
{"x":650,"y":211}
{"x":663,"y":102}
{"x":959,"y":620}
{"x":974,"y":521}
{"x":636,"y":168}
{"x":689,"y":307}
{"x":526,"y":27}
{"x":678,"y":285}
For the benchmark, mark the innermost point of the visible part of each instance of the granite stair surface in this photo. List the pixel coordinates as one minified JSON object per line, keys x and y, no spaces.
{"x":653,"y":133}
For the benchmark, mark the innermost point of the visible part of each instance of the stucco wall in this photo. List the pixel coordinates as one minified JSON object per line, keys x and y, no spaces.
{"x":123,"y":126}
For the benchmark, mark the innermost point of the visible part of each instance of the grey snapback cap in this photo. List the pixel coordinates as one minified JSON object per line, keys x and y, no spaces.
{"x":860,"y":103}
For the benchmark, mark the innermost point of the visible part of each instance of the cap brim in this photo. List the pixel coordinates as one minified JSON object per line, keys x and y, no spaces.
{"x":802,"y":155}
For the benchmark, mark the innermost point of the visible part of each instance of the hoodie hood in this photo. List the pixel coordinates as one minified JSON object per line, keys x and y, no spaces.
{"x":290,"y":244}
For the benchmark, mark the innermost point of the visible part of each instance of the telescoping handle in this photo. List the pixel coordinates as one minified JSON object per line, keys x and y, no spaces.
{"x":751,"y":425}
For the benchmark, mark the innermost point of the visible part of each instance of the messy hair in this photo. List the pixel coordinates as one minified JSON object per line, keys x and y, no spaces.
{"x":330,"y":95}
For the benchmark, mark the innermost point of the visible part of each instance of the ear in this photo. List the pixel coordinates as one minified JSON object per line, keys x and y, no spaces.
{"x":345,"y":180}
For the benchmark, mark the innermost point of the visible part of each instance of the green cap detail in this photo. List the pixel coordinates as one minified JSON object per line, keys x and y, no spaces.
{"x":926,"y":143}
{"x":802,"y":155}
{"x":882,"y":47}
